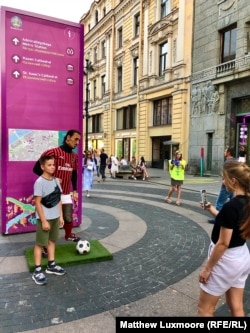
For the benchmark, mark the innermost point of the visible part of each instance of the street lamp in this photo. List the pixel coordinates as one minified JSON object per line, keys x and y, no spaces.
{"x":87,"y":69}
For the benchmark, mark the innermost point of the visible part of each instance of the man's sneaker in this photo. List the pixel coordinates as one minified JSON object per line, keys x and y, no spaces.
{"x":73,"y":238}
{"x":211,"y":221}
{"x":54,"y":269}
{"x":39,"y":278}
{"x":44,"y":252}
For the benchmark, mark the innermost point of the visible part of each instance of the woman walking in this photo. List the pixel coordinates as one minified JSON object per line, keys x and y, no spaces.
{"x":114,"y":166}
{"x":88,"y":173}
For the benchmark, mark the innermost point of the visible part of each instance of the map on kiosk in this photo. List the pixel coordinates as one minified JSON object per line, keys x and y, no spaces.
{"x":27,"y":145}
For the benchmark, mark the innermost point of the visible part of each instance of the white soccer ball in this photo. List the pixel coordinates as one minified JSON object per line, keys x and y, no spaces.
{"x":83,"y":247}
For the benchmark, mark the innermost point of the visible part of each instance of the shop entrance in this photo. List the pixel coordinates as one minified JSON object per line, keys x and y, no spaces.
{"x":162,"y":148}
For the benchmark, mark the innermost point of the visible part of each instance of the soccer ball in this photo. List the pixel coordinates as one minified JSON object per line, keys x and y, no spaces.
{"x":83,"y":247}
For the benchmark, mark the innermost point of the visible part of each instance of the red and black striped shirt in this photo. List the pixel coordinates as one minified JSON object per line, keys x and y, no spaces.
{"x":65,"y":163}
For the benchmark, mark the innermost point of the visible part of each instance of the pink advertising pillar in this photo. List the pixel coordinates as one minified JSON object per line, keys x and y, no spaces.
{"x":41,"y":65}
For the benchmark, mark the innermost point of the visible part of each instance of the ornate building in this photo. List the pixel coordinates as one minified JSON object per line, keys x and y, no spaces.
{"x":220,"y":92}
{"x":138,"y":96}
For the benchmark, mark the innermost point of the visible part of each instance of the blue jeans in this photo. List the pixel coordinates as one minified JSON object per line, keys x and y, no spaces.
{"x":223,"y":197}
{"x":98,"y":171}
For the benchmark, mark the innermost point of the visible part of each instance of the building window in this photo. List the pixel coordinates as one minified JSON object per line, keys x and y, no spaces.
{"x":88,"y":91}
{"x":126,"y":117}
{"x":162,"y":113}
{"x":247,"y":41}
{"x":96,"y":123}
{"x":104,"y":11}
{"x":103,"y":88}
{"x":119,"y":37}
{"x":164,"y":8}
{"x":95,"y":55}
{"x":94,"y":90}
{"x":96,"y":16}
{"x":228,"y":38}
{"x":163,"y":58}
{"x":103,"y":49}
{"x":137,"y":25}
{"x":135,"y":70}
{"x":119,"y":79}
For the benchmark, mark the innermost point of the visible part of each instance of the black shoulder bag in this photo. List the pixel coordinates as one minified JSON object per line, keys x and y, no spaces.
{"x":53,"y":198}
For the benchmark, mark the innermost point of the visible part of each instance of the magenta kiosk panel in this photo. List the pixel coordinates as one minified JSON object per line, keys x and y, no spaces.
{"x":41,"y":64}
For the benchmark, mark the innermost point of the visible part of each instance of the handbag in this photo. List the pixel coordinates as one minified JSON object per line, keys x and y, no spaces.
{"x":52,"y":199}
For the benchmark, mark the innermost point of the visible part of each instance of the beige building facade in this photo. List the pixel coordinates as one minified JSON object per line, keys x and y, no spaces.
{"x":138,"y":96}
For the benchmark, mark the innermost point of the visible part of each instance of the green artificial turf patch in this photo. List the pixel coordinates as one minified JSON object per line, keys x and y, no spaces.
{"x":66,"y":255}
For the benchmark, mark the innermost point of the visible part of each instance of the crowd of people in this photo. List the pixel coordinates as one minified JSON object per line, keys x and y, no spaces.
{"x":92,"y":161}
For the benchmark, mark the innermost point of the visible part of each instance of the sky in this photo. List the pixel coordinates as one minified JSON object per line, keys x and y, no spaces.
{"x":70,"y":10}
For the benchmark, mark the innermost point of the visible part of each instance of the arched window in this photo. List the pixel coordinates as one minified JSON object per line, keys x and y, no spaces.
{"x":96,"y":16}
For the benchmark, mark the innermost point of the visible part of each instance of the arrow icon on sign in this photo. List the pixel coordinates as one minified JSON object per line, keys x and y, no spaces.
{"x":16,"y":74}
{"x":15,"y":41}
{"x":16,"y":58}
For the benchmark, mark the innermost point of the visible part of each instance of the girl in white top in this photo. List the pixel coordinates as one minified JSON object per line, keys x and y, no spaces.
{"x":114,"y":166}
{"x":88,"y":174}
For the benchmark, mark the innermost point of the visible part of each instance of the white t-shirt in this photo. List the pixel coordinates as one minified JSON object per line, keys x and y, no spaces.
{"x":123,"y":162}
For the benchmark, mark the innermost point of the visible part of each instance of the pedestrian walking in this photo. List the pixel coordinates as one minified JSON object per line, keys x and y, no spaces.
{"x":88,"y":173}
{"x":228,"y":264}
{"x":103,"y":163}
{"x":47,"y":197}
{"x":114,"y":166}
{"x":177,"y":173}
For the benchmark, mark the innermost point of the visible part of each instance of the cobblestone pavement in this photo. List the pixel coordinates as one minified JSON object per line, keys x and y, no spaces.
{"x":158,"y":250}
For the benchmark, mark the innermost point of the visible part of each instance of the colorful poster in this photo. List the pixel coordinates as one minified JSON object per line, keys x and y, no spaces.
{"x":41,"y":98}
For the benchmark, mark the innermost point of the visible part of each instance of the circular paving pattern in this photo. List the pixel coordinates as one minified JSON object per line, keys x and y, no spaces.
{"x":155,"y":245}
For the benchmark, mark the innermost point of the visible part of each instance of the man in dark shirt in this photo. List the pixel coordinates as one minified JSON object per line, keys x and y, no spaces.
{"x":224,"y":195}
{"x":103,"y":163}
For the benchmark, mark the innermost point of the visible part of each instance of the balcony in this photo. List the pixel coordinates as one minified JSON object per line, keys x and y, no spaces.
{"x":225,"y":67}
{"x":234,"y":67}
